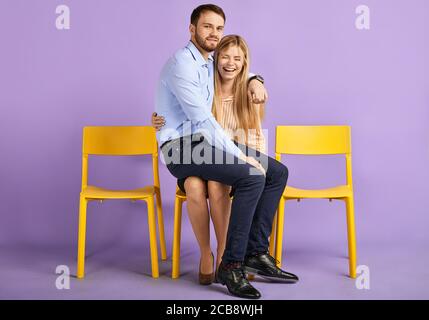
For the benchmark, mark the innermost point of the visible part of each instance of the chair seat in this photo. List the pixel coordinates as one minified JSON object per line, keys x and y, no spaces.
{"x":93,"y":192}
{"x":330,"y":193}
{"x":180,"y":194}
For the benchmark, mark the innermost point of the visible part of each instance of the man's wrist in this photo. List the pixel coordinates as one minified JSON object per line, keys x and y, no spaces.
{"x":257,"y":77}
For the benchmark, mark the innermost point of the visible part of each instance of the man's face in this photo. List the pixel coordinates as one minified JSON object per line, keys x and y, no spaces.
{"x":209,"y":31}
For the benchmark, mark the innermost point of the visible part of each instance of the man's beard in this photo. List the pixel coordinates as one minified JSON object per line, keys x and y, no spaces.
{"x":201,"y":42}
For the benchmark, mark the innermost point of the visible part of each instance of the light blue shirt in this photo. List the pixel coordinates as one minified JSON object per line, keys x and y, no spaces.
{"x":184,"y":98}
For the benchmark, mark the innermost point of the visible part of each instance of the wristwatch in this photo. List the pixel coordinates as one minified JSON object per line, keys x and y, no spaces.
{"x":257,"y":77}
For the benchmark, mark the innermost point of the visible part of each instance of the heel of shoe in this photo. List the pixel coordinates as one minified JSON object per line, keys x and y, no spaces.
{"x":206,"y":279}
{"x":250,"y":276}
{"x":219,"y":280}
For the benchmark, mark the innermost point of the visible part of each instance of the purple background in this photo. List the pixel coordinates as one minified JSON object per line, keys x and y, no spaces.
{"x":319,"y":70}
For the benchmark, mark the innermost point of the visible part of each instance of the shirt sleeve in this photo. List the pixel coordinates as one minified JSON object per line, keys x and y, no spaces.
{"x":185,"y":85}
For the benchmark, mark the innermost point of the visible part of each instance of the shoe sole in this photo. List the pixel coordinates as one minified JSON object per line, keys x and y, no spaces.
{"x":236,"y":295}
{"x":273,"y":279}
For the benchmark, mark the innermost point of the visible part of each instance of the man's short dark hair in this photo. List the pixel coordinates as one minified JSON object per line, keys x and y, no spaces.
{"x":195,"y":16}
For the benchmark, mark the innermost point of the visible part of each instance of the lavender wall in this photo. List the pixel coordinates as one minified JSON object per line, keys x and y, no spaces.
{"x":319,"y":69}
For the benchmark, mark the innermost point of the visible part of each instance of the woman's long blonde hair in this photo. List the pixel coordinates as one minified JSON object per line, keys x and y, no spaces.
{"x":246,"y":113}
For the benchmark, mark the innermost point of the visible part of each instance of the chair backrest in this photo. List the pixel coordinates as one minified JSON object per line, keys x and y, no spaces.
{"x":119,"y":141}
{"x":316,"y":140}
{"x":313,"y":140}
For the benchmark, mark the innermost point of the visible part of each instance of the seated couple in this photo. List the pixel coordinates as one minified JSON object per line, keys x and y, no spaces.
{"x":205,"y":104}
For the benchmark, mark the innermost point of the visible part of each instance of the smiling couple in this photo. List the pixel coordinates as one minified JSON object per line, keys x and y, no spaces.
{"x":212,"y":106}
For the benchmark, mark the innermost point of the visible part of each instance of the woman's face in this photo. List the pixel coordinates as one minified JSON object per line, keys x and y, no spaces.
{"x":230,"y":62}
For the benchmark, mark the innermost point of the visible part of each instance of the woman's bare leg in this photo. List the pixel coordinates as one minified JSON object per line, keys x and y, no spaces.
{"x":196,"y":194}
{"x":220,"y":210}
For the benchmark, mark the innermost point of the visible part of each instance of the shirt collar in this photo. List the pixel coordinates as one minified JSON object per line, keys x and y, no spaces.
{"x":197,"y":54}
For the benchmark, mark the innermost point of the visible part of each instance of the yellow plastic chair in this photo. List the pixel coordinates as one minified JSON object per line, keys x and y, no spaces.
{"x":316,"y":140}
{"x":121,"y":141}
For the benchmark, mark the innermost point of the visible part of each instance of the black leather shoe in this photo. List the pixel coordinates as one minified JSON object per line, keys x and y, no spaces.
{"x":233,"y":276}
{"x":264,"y":265}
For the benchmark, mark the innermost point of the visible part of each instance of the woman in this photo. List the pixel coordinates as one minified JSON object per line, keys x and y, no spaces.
{"x":241,"y":119}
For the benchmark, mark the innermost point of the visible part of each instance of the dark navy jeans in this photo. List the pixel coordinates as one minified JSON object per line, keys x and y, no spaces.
{"x":256,"y":196}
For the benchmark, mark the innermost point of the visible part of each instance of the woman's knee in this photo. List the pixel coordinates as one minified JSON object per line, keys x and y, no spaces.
{"x":218,"y":191}
{"x":195,"y":188}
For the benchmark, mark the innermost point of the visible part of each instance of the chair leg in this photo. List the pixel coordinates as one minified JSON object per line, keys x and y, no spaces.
{"x":161,"y":226}
{"x":81,"y":238}
{"x":351,"y":234}
{"x":273,"y":236}
{"x":176,"y":238}
{"x":152,"y":236}
{"x":279,"y":233}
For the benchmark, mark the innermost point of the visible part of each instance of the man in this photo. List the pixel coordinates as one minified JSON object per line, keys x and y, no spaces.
{"x":192,"y":142}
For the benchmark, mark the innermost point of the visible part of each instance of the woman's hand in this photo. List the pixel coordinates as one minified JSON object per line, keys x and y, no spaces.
{"x":157,"y":121}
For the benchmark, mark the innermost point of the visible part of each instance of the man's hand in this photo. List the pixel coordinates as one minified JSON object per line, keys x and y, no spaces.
{"x":257,"y":92}
{"x":253,"y":162}
{"x":157,"y":121}
{"x":256,"y":164}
